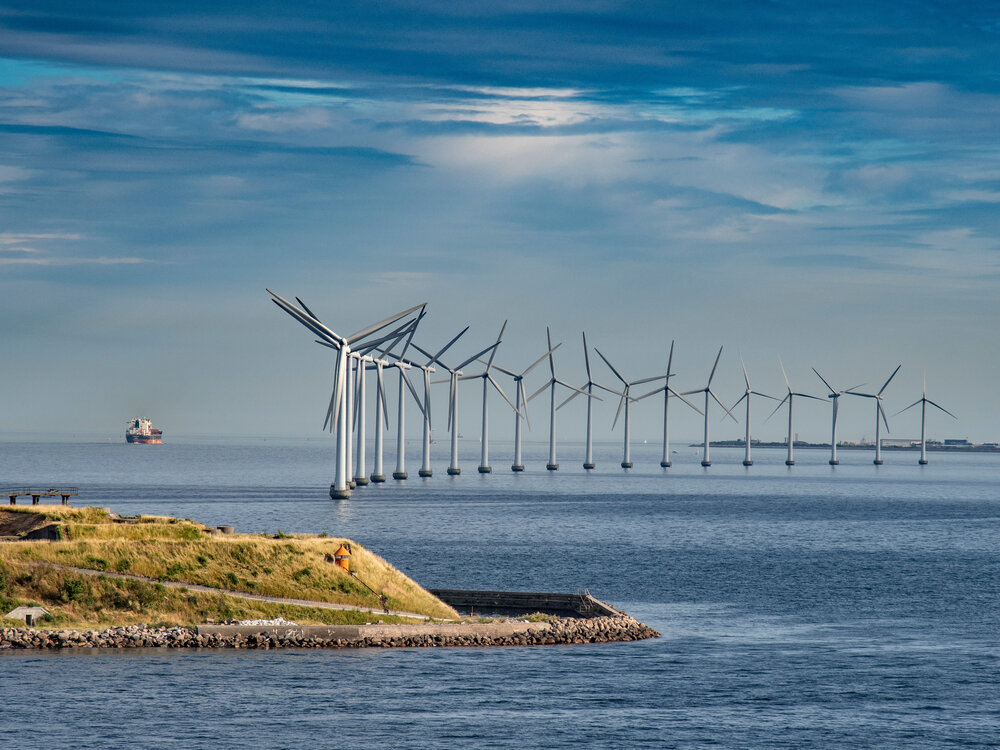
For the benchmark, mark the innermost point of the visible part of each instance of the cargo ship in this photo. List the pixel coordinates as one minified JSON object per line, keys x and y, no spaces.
{"x":140,"y":430}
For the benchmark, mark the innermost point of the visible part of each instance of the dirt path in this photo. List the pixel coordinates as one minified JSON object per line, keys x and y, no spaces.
{"x":238,"y":594}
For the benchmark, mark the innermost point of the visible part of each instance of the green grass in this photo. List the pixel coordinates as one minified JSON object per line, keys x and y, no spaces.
{"x":168,"y":549}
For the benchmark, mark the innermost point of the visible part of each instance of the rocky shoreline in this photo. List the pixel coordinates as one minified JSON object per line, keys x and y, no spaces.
{"x":502,"y":633}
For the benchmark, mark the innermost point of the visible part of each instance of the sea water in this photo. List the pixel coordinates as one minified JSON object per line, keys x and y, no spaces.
{"x":801,"y":607}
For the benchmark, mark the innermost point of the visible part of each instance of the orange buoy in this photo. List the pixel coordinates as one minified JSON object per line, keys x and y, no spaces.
{"x":343,"y":558}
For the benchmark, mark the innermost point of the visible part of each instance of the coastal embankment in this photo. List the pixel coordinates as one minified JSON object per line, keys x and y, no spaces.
{"x":556,"y":631}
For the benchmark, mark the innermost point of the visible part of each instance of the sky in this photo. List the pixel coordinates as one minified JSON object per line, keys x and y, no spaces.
{"x":815,"y":182}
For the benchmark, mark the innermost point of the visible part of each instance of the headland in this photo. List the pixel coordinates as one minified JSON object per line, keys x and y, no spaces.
{"x":93,"y":579}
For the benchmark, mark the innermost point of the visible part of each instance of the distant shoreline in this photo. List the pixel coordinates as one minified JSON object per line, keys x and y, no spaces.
{"x":931,"y":447}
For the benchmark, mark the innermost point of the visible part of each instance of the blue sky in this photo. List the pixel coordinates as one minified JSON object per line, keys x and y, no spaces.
{"x":819,"y":184}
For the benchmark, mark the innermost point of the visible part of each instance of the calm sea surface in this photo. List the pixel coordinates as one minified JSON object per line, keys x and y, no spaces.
{"x":803,"y":607}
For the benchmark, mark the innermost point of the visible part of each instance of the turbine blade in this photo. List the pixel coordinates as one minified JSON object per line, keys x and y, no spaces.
{"x":670,"y":359}
{"x":446,"y":347}
{"x":886,"y":385}
{"x":494,"y":352}
{"x":524,"y":403}
{"x":500,"y":391}
{"x":688,"y":393}
{"x":586,"y":356}
{"x":309,"y":322}
{"x":648,"y":380}
{"x":383,"y":323}
{"x":413,"y":330}
{"x":552,"y":364}
{"x":304,"y":307}
{"x":381,"y":389}
{"x":573,"y":395}
{"x":621,"y":403}
{"x":881,"y":412}
{"x":919,"y":400}
{"x":338,"y":389}
{"x":780,"y":404}
{"x":609,"y":390}
{"x":745,"y":376}
{"x":782,"y":365}
{"x":832,"y":389}
{"x":941,"y":408}
{"x":478,"y":355}
{"x":564,"y":384}
{"x":681,"y":397}
{"x":647,"y":395}
{"x":504,"y":370}
{"x":409,"y":385}
{"x":540,"y":390}
{"x":744,"y":396}
{"x":712,"y":394}
{"x":540,"y":360}
{"x":617,"y":374}
{"x":712,"y":374}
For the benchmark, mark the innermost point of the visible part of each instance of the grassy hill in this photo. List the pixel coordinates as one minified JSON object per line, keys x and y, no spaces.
{"x":171,"y":549}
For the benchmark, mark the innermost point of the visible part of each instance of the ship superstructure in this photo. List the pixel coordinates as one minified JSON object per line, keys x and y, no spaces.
{"x":141,"y":430}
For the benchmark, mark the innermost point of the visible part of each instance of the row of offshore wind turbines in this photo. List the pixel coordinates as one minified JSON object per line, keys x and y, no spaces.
{"x":390,"y":343}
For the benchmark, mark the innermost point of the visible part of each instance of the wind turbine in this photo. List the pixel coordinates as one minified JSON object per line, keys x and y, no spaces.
{"x":381,"y":411}
{"x":835,"y":395}
{"x":923,"y":401}
{"x":626,"y":400}
{"x":337,"y":413}
{"x":588,"y":461}
{"x":428,"y":368}
{"x":667,"y":393}
{"x":707,"y":390}
{"x":747,"y":461}
{"x":402,"y":366}
{"x":521,"y":401}
{"x":551,"y":385}
{"x":453,"y":378}
{"x":484,"y":458}
{"x":790,"y":398}
{"x":879,"y":412}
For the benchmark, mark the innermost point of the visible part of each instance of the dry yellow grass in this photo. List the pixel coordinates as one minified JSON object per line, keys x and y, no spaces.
{"x":167,"y":549}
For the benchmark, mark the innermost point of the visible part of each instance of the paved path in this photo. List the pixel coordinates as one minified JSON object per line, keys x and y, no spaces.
{"x":237,"y":594}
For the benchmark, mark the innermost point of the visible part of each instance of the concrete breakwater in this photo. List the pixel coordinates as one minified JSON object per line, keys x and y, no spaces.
{"x":498,"y":633}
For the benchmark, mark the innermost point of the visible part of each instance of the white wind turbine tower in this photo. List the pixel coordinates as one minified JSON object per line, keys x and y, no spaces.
{"x":879,"y":412}
{"x":381,"y":418}
{"x":707,"y":390}
{"x":667,"y":393}
{"x":484,"y":457}
{"x":453,"y":377}
{"x":551,"y":385}
{"x":521,"y":403}
{"x":790,"y":398}
{"x":747,"y":461}
{"x":588,"y":461}
{"x":835,"y":395}
{"x":337,"y":412}
{"x":923,"y":401}
{"x":625,"y":401}
{"x":360,"y":478}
